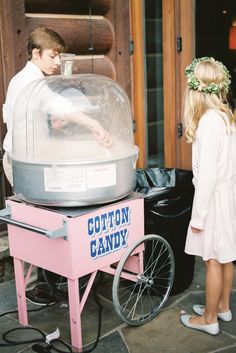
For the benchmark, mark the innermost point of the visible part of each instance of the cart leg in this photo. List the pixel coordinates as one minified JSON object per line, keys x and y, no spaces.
{"x":20,"y":291}
{"x":75,"y":314}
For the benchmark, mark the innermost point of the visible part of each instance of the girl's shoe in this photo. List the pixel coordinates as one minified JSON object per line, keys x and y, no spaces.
{"x":200,"y":310}
{"x":212,"y":329}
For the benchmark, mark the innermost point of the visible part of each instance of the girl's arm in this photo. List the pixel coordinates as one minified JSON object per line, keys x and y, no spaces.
{"x":209,"y":138}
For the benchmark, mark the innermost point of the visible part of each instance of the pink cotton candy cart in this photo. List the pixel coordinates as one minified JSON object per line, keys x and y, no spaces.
{"x":74,"y":242}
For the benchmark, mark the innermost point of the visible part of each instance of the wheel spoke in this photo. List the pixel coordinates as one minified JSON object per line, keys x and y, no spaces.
{"x":137,"y":300}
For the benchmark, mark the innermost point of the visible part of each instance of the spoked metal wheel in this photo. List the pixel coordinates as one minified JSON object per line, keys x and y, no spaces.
{"x":143,"y":280}
{"x":59,"y":283}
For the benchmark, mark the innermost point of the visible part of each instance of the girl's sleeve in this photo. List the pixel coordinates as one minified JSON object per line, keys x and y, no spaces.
{"x":209,"y":137}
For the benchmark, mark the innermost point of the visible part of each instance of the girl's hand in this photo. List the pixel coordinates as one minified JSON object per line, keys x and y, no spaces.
{"x":195,"y":230}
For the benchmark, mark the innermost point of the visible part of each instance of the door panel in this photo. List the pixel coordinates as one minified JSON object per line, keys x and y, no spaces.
{"x":138,"y":78}
{"x":177,"y":29}
{"x":187,"y":33}
{"x":170,"y":57}
{"x":154,"y":83}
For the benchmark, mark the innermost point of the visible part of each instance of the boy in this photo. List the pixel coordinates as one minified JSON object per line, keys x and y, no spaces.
{"x":44,"y":47}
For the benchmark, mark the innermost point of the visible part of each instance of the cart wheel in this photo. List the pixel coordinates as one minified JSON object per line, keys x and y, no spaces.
{"x":143,"y":280}
{"x":59,"y":283}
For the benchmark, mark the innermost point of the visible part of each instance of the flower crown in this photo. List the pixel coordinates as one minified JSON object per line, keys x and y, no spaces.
{"x":195,"y":84}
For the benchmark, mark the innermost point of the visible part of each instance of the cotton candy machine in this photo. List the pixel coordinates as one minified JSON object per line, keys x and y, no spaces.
{"x":73,"y":142}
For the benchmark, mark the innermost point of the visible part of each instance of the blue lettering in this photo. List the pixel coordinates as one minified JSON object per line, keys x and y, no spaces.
{"x":97,"y":225}
{"x":93,"y":251}
{"x":108,"y":221}
{"x":124,"y":235}
{"x":104,"y":222}
{"x":125,"y":215}
{"x":111,"y":219}
{"x":117,"y":244}
{"x":90,"y":227}
{"x":106,"y":245}
{"x":117,"y":217}
{"x":101,"y":248}
{"x":109,"y":242}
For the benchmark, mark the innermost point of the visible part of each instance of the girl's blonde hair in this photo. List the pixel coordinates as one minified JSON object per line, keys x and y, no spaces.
{"x":207,"y":88}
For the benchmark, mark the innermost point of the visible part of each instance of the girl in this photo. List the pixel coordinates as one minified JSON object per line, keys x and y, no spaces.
{"x":211,"y":128}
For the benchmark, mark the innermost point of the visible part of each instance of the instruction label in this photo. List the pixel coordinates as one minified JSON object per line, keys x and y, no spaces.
{"x":79,"y":179}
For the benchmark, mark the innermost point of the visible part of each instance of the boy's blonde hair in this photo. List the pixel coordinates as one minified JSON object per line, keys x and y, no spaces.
{"x":208,"y":83}
{"x":43,"y":38}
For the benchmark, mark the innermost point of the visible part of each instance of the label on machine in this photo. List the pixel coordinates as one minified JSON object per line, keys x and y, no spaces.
{"x":67,"y":179}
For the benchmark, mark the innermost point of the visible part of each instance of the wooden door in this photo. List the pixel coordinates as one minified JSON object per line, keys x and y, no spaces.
{"x":187,"y":33}
{"x":178,"y":51}
{"x":168,"y":34}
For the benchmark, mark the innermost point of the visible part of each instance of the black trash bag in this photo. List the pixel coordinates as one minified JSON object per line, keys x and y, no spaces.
{"x":168,"y":196}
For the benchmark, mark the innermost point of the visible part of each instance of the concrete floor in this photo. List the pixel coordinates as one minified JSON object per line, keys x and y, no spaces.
{"x":164,"y":334}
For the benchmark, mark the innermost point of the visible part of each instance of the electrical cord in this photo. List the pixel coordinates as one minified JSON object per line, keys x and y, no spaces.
{"x":15,"y":343}
{"x":53,"y":343}
{"x":10,"y":342}
{"x":99,"y":323}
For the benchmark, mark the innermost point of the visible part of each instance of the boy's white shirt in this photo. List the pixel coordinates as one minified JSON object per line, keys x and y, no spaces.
{"x":24,"y":77}
{"x":51,"y":103}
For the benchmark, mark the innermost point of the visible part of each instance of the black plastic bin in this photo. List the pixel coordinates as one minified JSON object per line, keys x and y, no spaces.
{"x":168,"y":196}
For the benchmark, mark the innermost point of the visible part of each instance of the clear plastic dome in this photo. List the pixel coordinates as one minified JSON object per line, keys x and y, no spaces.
{"x":65,"y":129}
{"x":50,"y":120}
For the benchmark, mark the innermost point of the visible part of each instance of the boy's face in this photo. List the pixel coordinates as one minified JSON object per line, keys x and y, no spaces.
{"x":48,"y":61}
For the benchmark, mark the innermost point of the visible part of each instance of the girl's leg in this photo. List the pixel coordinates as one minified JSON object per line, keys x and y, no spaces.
{"x":228,"y":274}
{"x":214,"y":283}
{"x":213,"y":293}
{"x":219,"y":279}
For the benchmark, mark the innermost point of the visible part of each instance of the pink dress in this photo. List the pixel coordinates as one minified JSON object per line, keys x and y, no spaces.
{"x":214,"y":204}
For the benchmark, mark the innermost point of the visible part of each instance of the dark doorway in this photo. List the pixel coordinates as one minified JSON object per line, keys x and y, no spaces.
{"x":154,"y":83}
{"x":214,"y":18}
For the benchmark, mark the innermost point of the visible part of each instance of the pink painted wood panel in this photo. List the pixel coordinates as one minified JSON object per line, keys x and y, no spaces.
{"x":95,"y":240}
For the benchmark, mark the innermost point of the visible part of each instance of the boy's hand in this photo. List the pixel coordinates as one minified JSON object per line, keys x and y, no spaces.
{"x":57,"y":123}
{"x":101,"y":135}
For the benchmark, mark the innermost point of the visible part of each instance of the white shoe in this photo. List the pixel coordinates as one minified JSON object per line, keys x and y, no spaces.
{"x":212,"y":329}
{"x":200,"y":310}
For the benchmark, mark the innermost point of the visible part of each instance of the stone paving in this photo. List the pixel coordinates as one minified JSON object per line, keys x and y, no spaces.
{"x":164,"y":334}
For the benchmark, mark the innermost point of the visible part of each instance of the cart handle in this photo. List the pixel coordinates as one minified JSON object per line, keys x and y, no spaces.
{"x":5,"y":216}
